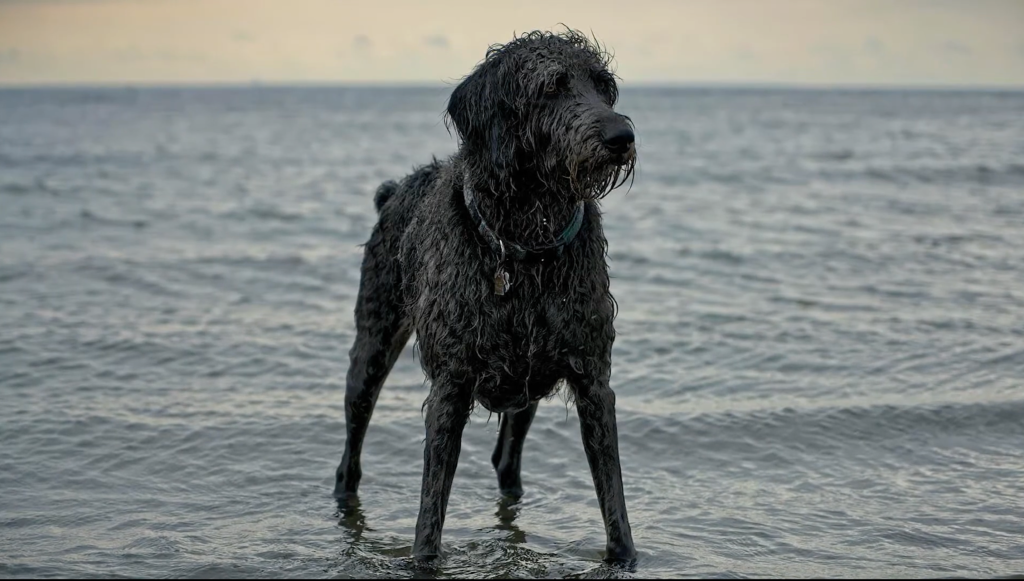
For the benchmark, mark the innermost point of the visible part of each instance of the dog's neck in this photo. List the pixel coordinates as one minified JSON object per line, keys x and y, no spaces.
{"x":531,"y":218}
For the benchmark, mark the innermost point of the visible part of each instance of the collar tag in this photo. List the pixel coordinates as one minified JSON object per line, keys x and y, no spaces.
{"x":501,"y":282}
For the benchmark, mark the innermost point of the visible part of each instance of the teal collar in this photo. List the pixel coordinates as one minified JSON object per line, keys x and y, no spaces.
{"x":513,"y":250}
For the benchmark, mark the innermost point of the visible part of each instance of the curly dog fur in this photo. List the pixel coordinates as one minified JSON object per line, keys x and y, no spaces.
{"x":539,"y":144}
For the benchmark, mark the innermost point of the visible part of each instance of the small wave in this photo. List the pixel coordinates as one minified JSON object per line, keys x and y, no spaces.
{"x":957,"y":240}
{"x":835,"y":155}
{"x":77,"y":159}
{"x":1015,"y":209}
{"x":124,"y":274}
{"x":973,"y":174}
{"x":14,"y":272}
{"x":153,"y":544}
{"x":830,"y":426}
{"x":264,"y":212}
{"x":17,"y":188}
{"x":717,"y":255}
{"x":629,"y":258}
{"x":89,"y":216}
{"x":22,"y":188}
{"x":286,"y":262}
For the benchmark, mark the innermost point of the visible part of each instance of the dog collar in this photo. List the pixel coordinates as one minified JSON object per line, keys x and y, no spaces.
{"x":513,"y":250}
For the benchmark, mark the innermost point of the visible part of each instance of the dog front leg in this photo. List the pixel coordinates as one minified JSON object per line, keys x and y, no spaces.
{"x":595,"y":404}
{"x":448,"y":410}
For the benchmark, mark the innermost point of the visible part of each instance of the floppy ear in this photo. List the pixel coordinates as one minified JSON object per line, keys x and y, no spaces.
{"x":463,"y":104}
{"x":480,"y":117}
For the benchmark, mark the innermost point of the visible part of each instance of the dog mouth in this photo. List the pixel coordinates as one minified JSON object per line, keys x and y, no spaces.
{"x":595,"y":171}
{"x":625,"y":158}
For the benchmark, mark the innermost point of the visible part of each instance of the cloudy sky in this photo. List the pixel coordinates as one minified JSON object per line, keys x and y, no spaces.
{"x":859,"y":42}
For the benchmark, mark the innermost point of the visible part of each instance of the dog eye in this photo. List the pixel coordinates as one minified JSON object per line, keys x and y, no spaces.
{"x":606,"y":85}
{"x":557,"y":85}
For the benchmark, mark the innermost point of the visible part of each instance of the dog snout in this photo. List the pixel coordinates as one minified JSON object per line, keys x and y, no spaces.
{"x":617,"y":136}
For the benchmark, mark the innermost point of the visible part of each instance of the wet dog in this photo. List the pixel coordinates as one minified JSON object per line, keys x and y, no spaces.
{"x":496,"y":259}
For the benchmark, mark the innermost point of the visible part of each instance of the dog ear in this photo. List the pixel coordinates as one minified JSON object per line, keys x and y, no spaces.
{"x":480,"y":118}
{"x":463,"y":104}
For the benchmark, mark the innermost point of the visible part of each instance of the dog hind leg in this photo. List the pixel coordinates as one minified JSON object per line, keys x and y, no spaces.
{"x":508,"y":452}
{"x":381,"y":333}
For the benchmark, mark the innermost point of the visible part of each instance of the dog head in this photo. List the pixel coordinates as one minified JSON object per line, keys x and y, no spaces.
{"x":538,"y":113}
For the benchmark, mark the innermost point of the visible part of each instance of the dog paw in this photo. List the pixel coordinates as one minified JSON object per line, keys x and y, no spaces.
{"x":346,"y":484}
{"x":620,"y":556}
{"x":426,"y":562}
{"x":343,"y":495}
{"x":509,"y":482}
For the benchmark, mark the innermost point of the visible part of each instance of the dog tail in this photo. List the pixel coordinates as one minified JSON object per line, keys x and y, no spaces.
{"x":384,"y":193}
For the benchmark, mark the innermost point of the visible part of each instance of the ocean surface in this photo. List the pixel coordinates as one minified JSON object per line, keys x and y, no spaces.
{"x":819,"y":363}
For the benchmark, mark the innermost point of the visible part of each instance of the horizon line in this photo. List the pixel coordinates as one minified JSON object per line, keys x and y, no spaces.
{"x":413,"y":84}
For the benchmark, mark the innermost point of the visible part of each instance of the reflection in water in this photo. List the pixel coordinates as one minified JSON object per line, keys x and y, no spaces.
{"x":368,"y":557}
{"x":508,"y":510}
{"x":507,"y":554}
{"x":351,"y":518}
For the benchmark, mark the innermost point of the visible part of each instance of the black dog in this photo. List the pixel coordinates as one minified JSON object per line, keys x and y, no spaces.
{"x":496,"y":259}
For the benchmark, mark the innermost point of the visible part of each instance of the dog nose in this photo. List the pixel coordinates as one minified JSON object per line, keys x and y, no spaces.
{"x":618,"y":139}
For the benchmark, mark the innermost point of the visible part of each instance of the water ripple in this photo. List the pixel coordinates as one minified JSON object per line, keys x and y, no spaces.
{"x":818,"y":360}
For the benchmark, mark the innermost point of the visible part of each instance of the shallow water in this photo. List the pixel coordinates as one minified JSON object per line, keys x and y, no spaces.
{"x":819,"y":364}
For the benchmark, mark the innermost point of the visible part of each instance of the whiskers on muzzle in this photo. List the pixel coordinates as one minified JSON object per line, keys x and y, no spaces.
{"x":597,"y":172}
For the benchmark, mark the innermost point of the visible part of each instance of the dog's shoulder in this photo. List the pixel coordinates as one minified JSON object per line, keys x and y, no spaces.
{"x":430,"y":189}
{"x":410,"y":188}
{"x":400,"y":203}
{"x":429,"y":209}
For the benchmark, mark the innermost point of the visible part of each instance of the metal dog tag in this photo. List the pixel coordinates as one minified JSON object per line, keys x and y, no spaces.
{"x":501,"y":283}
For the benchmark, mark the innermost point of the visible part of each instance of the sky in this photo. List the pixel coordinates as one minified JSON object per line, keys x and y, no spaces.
{"x":803,"y":42}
